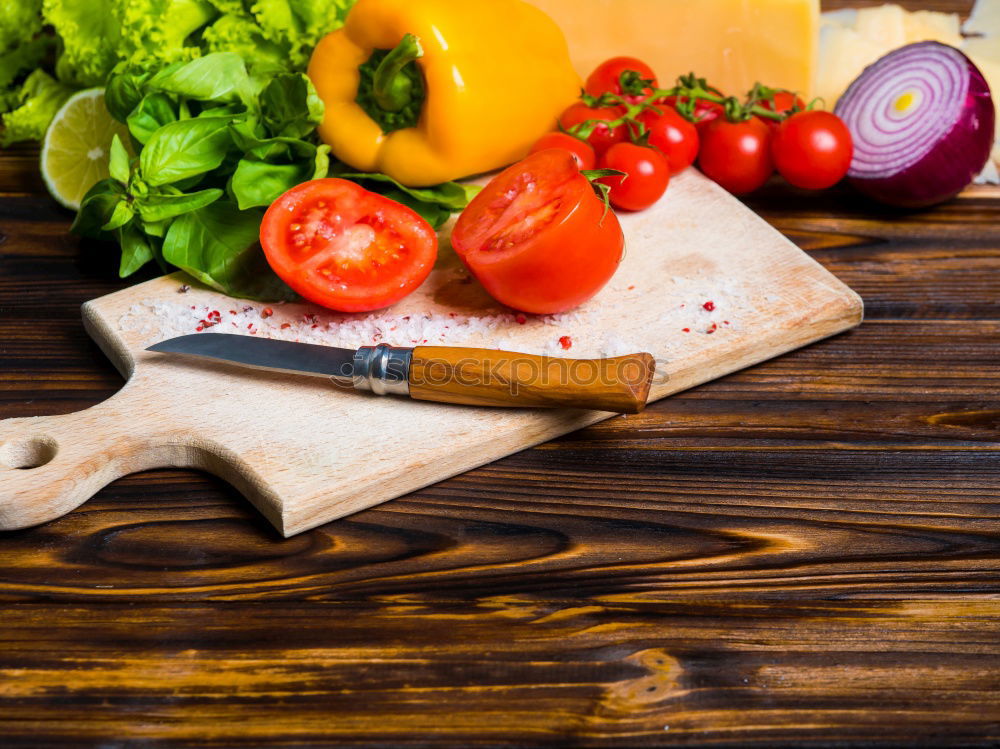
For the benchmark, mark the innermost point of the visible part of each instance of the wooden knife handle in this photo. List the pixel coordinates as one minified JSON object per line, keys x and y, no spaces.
{"x":484,"y":377}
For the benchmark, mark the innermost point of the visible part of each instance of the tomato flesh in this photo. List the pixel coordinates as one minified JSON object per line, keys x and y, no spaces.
{"x":346,"y":248}
{"x":538,"y":238}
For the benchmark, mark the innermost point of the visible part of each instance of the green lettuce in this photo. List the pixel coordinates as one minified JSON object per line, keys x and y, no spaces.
{"x":96,"y":37}
{"x":38,"y":101}
{"x":20,"y":21}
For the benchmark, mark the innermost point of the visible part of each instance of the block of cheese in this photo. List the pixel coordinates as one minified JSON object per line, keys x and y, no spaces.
{"x":732,"y":43}
{"x":852,"y":40}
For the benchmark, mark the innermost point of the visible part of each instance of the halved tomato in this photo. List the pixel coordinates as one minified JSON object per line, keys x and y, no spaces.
{"x":346,"y":248}
{"x":538,"y":238}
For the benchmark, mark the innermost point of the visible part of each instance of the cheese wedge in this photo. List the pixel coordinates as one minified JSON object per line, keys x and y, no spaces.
{"x":732,"y":43}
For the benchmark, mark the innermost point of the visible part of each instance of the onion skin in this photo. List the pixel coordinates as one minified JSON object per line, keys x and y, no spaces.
{"x":951,"y":162}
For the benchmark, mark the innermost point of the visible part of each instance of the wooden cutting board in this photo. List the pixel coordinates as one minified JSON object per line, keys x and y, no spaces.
{"x":706,"y":286}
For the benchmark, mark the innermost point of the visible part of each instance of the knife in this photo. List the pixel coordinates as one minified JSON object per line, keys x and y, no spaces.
{"x":446,"y":374}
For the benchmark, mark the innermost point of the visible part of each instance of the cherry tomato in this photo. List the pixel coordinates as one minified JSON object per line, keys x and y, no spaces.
{"x":537,"y":236}
{"x":812,"y":149}
{"x":705,"y":112}
{"x":606,"y":78}
{"x":673,"y":135}
{"x":602,"y":137}
{"x":784,"y":101}
{"x":346,"y":248}
{"x":737,"y":155}
{"x":647,"y":175}
{"x":581,"y":150}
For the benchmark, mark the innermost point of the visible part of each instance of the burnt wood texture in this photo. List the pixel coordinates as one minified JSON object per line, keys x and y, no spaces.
{"x":805,"y":553}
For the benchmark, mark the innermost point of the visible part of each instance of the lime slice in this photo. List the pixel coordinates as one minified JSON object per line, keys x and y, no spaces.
{"x":75,"y":152}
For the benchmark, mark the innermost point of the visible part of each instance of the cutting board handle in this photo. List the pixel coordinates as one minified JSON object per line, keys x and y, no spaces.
{"x":50,"y":465}
{"x":486,"y":377}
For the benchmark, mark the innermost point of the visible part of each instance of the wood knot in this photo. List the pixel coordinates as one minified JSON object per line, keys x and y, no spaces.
{"x":662,"y":681}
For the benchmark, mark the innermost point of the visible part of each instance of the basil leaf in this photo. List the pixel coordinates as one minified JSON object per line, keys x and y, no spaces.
{"x":156,"y":228}
{"x":218,"y":246}
{"x":451,"y":195}
{"x":290,"y":106}
{"x":152,"y":113}
{"x":219,"y":76}
{"x":270,"y":149}
{"x":118,"y":165}
{"x":122,"y":214}
{"x":257,"y":183}
{"x":97,"y":207}
{"x":122,"y":95}
{"x":136,"y":250}
{"x":186,"y":148}
{"x":155,"y":208}
{"x":434,"y":214}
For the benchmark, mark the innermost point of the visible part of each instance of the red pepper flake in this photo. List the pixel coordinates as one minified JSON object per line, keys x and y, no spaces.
{"x":631,"y":287}
{"x":183,"y":289}
{"x":266,"y":312}
{"x":232,"y":312}
{"x":406,"y":317}
{"x":725,"y":322}
{"x":285,"y":325}
{"x":709,"y":306}
{"x":686,"y":330}
{"x":192,"y":306}
{"x":200,"y":328}
{"x":713,"y":328}
{"x":521,"y":319}
{"x":249,"y":325}
{"x":314,"y":326}
{"x":566,"y":342}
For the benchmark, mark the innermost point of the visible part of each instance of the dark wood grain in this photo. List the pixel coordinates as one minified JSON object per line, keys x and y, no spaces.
{"x":805,"y":553}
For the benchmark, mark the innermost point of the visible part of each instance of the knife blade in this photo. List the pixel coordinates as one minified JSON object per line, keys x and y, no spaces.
{"x":446,"y":374}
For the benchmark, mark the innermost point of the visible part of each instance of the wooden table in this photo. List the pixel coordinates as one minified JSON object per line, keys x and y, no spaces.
{"x":803,"y":553}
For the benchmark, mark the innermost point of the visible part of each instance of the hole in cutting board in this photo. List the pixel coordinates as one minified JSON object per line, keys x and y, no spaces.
{"x":28,"y":453}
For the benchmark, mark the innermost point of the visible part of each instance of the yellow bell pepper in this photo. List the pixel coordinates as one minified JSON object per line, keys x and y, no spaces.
{"x":431,"y":90}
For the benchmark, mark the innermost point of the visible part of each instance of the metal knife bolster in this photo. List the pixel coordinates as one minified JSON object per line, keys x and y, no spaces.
{"x":383,"y":369}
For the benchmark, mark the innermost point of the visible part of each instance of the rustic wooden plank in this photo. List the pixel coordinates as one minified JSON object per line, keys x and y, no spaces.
{"x":503,"y":671}
{"x":578,"y":519}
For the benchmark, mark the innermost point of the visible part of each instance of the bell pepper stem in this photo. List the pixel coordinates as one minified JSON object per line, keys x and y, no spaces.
{"x":391,"y":88}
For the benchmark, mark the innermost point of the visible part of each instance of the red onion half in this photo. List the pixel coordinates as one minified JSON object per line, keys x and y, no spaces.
{"x":922,"y":122}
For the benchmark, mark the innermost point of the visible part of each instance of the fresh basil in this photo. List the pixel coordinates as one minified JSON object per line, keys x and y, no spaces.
{"x":158,"y":208}
{"x":220,"y":76}
{"x":218,"y":246}
{"x":97,"y":207}
{"x":118,"y":165}
{"x":451,"y":195}
{"x":185,"y":148}
{"x":290,"y":106}
{"x":150,"y":114}
{"x":136,"y":250}
{"x":120,"y":216}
